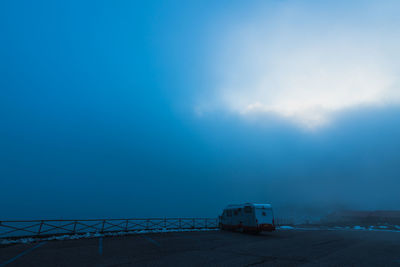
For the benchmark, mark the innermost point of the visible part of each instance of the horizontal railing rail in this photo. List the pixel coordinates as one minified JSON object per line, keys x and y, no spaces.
{"x":42,"y":228}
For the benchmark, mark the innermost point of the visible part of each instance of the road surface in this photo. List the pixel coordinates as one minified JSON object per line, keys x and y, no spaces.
{"x":214,"y":248}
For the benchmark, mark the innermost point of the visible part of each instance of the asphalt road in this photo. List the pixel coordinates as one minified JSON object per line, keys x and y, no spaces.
{"x":214,"y":248}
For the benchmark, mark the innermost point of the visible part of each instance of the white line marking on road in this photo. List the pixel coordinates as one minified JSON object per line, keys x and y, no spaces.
{"x":152,"y":241}
{"x":22,"y":254}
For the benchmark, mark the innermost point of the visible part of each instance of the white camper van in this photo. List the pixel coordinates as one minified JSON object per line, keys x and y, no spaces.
{"x":248,"y":217}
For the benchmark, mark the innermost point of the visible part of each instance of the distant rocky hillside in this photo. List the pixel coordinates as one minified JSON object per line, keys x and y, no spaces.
{"x":357,"y":217}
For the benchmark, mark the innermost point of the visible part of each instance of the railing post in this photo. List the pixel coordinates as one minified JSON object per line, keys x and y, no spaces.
{"x":102,"y":226}
{"x":40,"y":227}
{"x":147,"y":224}
{"x":165,"y":223}
{"x":180,"y":223}
{"x":74,"y":227}
{"x":126,"y":225}
{"x":194,"y":223}
{"x":205,"y":222}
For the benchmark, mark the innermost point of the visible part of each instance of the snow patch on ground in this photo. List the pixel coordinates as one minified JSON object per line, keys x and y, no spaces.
{"x":341,"y":228}
{"x":285,"y":227}
{"x":94,"y":235}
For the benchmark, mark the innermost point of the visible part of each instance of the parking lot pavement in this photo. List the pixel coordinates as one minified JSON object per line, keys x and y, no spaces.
{"x":214,"y":248}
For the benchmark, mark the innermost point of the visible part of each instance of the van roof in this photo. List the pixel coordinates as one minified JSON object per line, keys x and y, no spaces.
{"x":233,"y":206}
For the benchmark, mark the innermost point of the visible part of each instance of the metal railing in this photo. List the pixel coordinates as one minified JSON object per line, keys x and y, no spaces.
{"x":44,"y":228}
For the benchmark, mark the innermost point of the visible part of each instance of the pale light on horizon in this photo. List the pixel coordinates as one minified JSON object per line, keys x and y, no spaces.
{"x":267,"y":66}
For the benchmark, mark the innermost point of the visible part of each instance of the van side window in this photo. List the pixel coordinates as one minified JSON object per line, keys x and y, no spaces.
{"x":229,"y":213}
{"x":247,"y":209}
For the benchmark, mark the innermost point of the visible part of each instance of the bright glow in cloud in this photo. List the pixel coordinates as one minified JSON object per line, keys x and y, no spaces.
{"x":306,"y":65}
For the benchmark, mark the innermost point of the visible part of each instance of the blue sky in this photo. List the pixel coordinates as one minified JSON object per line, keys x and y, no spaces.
{"x":178,"y":108}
